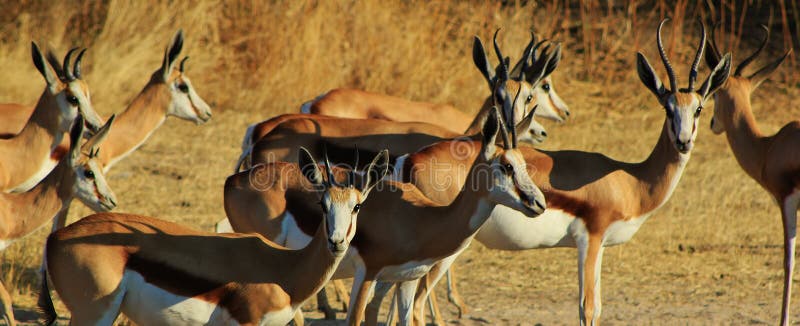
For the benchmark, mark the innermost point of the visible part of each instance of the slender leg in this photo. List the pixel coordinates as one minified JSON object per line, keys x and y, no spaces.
{"x":298,"y":319}
{"x":5,"y":305}
{"x":452,"y":293}
{"x":392,"y":309}
{"x":583,"y":246}
{"x":363,"y":286}
{"x":45,"y":302}
{"x":374,"y":306}
{"x":789,"y":215}
{"x":591,"y":281}
{"x":433,"y":306}
{"x":405,"y":303}
{"x":341,"y":293}
{"x":325,"y":306}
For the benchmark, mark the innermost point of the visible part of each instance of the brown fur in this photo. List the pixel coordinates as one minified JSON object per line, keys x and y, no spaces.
{"x":90,"y":256}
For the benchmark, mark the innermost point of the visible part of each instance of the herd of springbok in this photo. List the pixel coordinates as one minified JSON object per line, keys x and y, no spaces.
{"x":434,"y":179}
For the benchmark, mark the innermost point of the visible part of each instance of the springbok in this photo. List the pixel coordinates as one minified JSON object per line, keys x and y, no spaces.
{"x":169,"y":92}
{"x":28,"y":157}
{"x":773,"y":161}
{"x":356,"y":104}
{"x":359,"y":104}
{"x":161,"y":273}
{"x":381,"y":249}
{"x":595,"y":201}
{"x":276,"y":139}
{"x":77,"y":175}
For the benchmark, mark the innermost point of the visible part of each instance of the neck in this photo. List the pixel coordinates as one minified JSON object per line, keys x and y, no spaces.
{"x":29,"y":156}
{"x":135,"y":124}
{"x":747,"y":142}
{"x":314,"y":267}
{"x":25,"y":212}
{"x":658,"y":175}
{"x":477,"y":123}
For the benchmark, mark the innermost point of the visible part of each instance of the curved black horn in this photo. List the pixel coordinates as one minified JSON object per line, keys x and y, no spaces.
{"x":77,"y":68}
{"x":693,"y":72}
{"x":673,"y":81}
{"x":753,"y":56}
{"x":67,"y":72}
{"x":713,"y":40}
{"x":502,"y":73}
{"x":183,"y":62}
{"x":527,"y":57}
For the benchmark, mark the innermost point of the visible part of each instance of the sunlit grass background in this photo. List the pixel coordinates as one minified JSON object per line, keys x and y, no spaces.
{"x":712,"y":254}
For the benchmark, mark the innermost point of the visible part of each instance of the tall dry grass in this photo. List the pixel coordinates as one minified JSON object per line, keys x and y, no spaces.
{"x":253,"y":59}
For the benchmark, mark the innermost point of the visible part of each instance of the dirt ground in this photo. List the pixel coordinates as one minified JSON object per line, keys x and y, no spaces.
{"x":710,"y":256}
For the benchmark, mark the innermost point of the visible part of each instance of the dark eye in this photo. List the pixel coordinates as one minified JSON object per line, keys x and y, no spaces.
{"x":697,"y":113}
{"x":72,"y":99}
{"x":508,"y":168}
{"x":546,"y":87}
{"x":356,"y":208}
{"x":183,"y":88}
{"x":89,"y":174}
{"x":530,"y":97}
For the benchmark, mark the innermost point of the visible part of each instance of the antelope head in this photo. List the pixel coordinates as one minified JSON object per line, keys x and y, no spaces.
{"x":520,"y":82}
{"x":67,"y":88}
{"x":511,"y":184}
{"x":184,"y":101}
{"x":90,"y":184}
{"x":342,"y":202}
{"x":682,"y":106}
{"x":738,"y":85}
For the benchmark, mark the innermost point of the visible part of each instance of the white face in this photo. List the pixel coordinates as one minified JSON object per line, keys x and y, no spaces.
{"x":75,"y":98}
{"x":549,"y":105}
{"x":340,"y":207}
{"x":536,"y":133}
{"x":683,"y":111}
{"x":91,"y":187}
{"x":520,"y":93}
{"x":513,"y":187}
{"x":186,"y":104}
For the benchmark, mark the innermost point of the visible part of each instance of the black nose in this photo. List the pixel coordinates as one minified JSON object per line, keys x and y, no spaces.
{"x":566,"y":112}
{"x":681,"y":145}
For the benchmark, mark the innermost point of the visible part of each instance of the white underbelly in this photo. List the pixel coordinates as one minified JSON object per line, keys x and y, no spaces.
{"x":147,"y":304}
{"x":620,"y":232}
{"x":508,"y":229}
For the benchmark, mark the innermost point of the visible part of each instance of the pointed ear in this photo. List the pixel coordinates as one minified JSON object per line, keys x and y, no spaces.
{"x":649,"y":78}
{"x":717,"y":77}
{"x":481,"y":60}
{"x":98,"y":138}
{"x":49,"y":74}
{"x":762,"y":74}
{"x":173,"y":50}
{"x":490,"y":129}
{"x":75,"y":136}
{"x":376,"y":171}
{"x":523,"y":126}
{"x":310,"y":168}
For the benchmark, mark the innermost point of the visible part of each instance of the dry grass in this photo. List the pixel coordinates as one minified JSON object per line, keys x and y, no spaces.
{"x":252,"y":60}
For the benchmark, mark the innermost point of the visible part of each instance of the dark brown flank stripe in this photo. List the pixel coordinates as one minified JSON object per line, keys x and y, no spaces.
{"x":247,"y":304}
